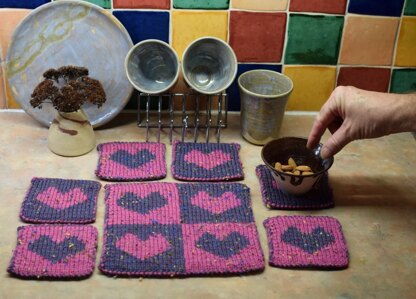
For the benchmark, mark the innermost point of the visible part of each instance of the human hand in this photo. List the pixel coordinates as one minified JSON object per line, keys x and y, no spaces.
{"x":351,"y":113}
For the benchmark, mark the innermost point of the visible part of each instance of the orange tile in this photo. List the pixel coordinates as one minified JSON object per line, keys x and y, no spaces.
{"x":406,"y":45}
{"x":268,"y":5}
{"x":368,"y":40}
{"x":190,"y":25}
{"x":10,"y":18}
{"x":312,"y":85}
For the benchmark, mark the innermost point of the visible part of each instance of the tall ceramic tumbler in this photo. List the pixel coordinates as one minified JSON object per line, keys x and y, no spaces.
{"x":264,"y":95}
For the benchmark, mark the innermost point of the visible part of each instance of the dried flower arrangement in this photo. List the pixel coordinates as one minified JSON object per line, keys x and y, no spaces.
{"x":67,"y":89}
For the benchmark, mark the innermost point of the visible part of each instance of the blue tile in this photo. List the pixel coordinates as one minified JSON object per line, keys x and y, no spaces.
{"x":22,"y":3}
{"x":233,"y":91}
{"x":376,"y":7}
{"x":143,"y":25}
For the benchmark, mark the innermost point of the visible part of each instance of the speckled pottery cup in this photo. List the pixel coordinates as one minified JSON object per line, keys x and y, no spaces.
{"x":264,"y":95}
{"x":152,"y":66}
{"x":209,"y":65}
{"x":280,"y":150}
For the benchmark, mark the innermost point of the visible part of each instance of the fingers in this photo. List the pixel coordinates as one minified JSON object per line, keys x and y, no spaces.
{"x":335,"y":143}
{"x":327,"y":115}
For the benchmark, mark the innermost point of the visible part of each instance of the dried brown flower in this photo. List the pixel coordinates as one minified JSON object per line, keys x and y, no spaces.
{"x":68,"y":88}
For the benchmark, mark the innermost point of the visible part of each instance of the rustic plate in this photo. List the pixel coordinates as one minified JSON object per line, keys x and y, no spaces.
{"x":70,"y":33}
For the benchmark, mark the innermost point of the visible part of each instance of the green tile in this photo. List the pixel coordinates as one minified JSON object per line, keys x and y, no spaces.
{"x":102,"y":3}
{"x":403,"y":80}
{"x":410,"y":8}
{"x":313,"y":39}
{"x":201,"y":4}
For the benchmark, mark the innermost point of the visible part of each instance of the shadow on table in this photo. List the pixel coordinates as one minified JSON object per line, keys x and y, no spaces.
{"x":379,"y":190}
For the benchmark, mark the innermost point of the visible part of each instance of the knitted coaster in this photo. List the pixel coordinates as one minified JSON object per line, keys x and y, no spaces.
{"x":60,"y":201}
{"x":167,"y":229}
{"x":206,"y":161}
{"x":275,"y":198}
{"x":54,"y":251}
{"x":306,"y":242}
{"x":131,"y":161}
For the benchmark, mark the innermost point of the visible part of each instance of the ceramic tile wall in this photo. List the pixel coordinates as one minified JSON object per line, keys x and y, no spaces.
{"x":320,"y":44}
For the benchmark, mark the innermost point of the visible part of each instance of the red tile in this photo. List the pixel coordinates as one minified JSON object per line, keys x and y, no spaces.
{"x":156,"y":4}
{"x":257,"y":37}
{"x":375,"y":79}
{"x":325,"y":6}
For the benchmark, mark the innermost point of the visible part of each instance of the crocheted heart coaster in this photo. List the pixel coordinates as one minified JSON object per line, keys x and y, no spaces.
{"x":206,"y":161}
{"x":306,"y":242}
{"x":54,"y":251}
{"x":60,"y":201}
{"x":167,"y":229}
{"x":274,"y":198}
{"x":131,"y":161}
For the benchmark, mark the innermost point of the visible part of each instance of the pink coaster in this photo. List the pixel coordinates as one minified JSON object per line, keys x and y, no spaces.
{"x":50,"y":200}
{"x":54,"y":251}
{"x":206,"y":161}
{"x":131,"y":161}
{"x":306,"y":242}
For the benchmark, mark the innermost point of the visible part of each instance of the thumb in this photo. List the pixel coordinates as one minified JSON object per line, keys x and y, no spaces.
{"x":335,"y":143}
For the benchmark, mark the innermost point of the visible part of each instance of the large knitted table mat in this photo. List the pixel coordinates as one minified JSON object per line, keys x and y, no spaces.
{"x":306,"y":242}
{"x":170,"y":229}
{"x":275,"y":198}
{"x":54,"y":251}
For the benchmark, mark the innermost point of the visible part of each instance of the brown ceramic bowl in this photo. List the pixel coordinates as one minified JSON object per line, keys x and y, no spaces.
{"x":280,"y":150}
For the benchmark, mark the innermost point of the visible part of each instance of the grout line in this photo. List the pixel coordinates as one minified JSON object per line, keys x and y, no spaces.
{"x":341,"y":43}
{"x":396,"y":40}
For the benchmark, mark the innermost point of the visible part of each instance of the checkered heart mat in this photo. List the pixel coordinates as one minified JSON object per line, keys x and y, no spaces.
{"x":168,"y":229}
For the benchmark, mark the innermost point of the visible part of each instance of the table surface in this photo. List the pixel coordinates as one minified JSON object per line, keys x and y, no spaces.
{"x":374,"y":184}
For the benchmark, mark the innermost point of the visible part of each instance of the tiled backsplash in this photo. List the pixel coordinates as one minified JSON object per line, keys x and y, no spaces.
{"x":320,"y":44}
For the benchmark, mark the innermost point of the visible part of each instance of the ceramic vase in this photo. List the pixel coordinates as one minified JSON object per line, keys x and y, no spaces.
{"x":71,"y":134}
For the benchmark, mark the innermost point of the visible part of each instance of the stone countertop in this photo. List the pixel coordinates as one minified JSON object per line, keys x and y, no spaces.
{"x":374,"y":184}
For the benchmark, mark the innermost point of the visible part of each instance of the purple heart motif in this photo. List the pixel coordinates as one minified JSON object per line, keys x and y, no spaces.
{"x":227,"y":247}
{"x":56,"y":252}
{"x":313,"y":242}
{"x":132,"y":161}
{"x":143,"y":205}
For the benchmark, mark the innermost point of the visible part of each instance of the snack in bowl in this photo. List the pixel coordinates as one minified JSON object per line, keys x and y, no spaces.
{"x":295,"y":168}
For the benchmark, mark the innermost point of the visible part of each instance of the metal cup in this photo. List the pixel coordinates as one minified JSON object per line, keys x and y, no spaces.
{"x":209,"y":65}
{"x":152,"y":66}
{"x":264,"y":95}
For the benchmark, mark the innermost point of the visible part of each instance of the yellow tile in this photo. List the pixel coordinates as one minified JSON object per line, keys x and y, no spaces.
{"x":190,"y":25}
{"x":11,"y":103}
{"x":260,"y":5}
{"x":406,"y":45}
{"x":312,"y":85}
{"x":2,"y":94}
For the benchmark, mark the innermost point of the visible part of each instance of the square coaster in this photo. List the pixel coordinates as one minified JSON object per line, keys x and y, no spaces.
{"x":206,"y":161}
{"x":275,"y":198}
{"x":143,"y":250}
{"x":169,"y":229}
{"x":306,"y":242}
{"x":215,"y":203}
{"x":51,"y":200}
{"x":54,"y":251}
{"x":143,"y":203}
{"x":131,"y":161}
{"x":222,"y":248}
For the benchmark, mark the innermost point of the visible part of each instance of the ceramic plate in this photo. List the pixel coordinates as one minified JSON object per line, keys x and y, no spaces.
{"x":70,"y":33}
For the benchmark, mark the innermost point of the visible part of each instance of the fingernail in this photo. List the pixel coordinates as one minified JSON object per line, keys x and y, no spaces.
{"x":324,"y":152}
